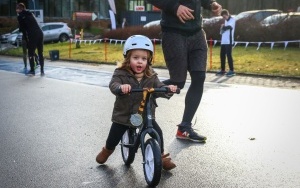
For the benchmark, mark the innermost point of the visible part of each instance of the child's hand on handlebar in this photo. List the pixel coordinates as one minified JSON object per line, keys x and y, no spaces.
{"x":172,"y":88}
{"x":125,"y":88}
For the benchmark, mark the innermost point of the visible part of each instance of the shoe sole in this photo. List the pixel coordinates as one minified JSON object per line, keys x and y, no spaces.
{"x":186,"y":138}
{"x":230,"y":75}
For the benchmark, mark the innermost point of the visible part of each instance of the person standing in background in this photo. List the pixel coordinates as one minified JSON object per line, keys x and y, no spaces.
{"x":227,"y":41}
{"x":124,"y":23}
{"x":25,"y":52}
{"x":33,"y":35}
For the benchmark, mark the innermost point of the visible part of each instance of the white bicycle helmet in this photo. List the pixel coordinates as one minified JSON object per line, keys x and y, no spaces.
{"x":137,"y":42}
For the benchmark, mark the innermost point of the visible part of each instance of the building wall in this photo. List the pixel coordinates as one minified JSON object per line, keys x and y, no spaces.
{"x":57,"y":8}
{"x":65,"y":8}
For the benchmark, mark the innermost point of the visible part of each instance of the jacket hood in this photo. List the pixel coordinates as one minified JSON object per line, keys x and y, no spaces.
{"x":25,"y":12}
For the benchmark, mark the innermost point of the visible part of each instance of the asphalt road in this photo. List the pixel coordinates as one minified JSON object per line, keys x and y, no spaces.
{"x":53,"y":127}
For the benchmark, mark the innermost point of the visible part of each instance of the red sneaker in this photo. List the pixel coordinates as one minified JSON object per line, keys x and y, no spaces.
{"x":189,"y":134}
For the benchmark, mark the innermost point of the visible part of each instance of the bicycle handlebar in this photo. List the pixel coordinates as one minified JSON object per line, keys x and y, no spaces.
{"x":156,"y":90}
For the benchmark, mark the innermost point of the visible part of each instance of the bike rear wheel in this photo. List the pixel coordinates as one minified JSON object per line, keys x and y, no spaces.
{"x":128,"y":153}
{"x":152,"y":162}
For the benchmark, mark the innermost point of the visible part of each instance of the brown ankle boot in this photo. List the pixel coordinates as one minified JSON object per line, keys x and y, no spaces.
{"x":103,"y":155}
{"x":167,"y":163}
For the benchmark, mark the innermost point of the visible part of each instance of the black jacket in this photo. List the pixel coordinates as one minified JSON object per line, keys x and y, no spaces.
{"x":28,"y":25}
{"x":170,"y":21}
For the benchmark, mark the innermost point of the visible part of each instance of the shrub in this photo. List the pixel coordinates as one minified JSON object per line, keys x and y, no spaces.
{"x":124,"y":33}
{"x":8,"y":24}
{"x":212,"y":29}
{"x":246,"y":30}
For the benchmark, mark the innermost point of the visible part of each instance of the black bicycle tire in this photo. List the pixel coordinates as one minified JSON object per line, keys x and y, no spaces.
{"x":131,"y":153}
{"x":157,"y":162}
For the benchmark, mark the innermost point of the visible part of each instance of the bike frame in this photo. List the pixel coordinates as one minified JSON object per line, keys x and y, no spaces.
{"x":147,"y":126}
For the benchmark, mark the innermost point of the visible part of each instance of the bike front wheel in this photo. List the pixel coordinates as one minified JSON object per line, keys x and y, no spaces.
{"x":152,"y":162}
{"x":128,"y":153}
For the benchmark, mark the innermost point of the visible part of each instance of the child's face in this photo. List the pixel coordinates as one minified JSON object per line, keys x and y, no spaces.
{"x":138,"y":60}
{"x":225,"y":16}
{"x":18,"y":10}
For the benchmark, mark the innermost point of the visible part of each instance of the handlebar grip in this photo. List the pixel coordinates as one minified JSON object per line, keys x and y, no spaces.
{"x":136,"y":90}
{"x":118,"y":91}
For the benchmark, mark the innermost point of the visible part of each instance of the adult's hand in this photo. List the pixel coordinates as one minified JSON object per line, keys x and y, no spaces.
{"x":184,"y":13}
{"x":216,"y":9}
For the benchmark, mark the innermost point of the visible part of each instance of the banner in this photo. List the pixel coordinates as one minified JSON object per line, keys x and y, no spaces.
{"x":112,"y":6}
{"x":112,"y":20}
{"x":119,"y":41}
{"x":260,"y":43}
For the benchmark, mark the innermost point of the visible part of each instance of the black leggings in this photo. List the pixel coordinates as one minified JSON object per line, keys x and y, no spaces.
{"x":193,"y":95}
{"x":24,"y":47}
{"x":117,"y":130}
{"x":36,"y":42}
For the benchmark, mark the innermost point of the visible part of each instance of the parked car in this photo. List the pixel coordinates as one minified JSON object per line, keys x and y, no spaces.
{"x":281,"y":27}
{"x":213,"y":20}
{"x":10,"y":37}
{"x":54,"y":31}
{"x":281,"y":18}
{"x":256,"y":15}
{"x":248,"y":27}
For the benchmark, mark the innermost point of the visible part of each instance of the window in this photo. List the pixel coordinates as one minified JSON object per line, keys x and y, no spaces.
{"x":4,"y":7}
{"x":58,"y":8}
{"x":55,"y":26}
{"x":132,"y":3}
{"x":55,"y":8}
{"x":46,"y":28}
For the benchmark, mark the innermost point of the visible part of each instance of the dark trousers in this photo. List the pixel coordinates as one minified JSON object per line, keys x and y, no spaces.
{"x":36,"y":42}
{"x":117,"y":130}
{"x":226,"y":50}
{"x":24,"y":47}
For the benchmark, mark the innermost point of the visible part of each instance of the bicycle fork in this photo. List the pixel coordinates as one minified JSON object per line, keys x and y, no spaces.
{"x":149,"y":130}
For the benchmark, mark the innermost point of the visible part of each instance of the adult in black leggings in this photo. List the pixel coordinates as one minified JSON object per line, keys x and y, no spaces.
{"x":33,"y":35}
{"x":25,"y":52}
{"x":185,"y":50}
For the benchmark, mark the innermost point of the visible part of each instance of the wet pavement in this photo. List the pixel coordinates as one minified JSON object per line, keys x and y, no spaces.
{"x":100,"y":74}
{"x":53,"y":127}
{"x":87,"y":76}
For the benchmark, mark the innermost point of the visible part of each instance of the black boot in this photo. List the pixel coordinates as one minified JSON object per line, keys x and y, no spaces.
{"x":31,"y":62}
{"x":41,"y":61}
{"x":25,"y":62}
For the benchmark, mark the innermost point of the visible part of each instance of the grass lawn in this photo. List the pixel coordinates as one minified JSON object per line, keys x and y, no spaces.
{"x":264,"y":61}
